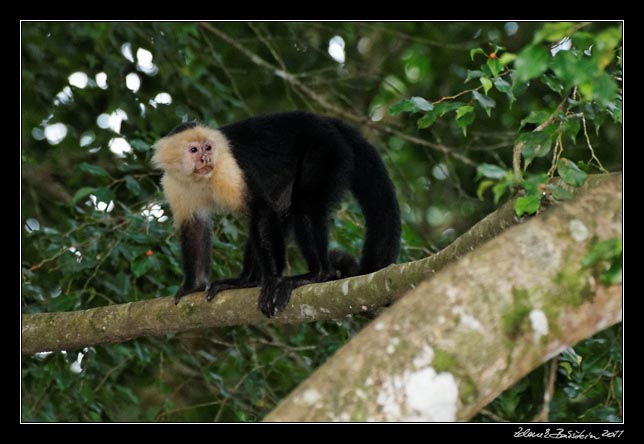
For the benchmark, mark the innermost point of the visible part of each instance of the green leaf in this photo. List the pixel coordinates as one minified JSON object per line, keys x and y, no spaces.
{"x":527,"y":204}
{"x":427,"y":120}
{"x":536,"y":144}
{"x":534,"y":182}
{"x":141,"y":265}
{"x":421,"y":104}
{"x":401,"y":107}
{"x":499,"y":190}
{"x":613,"y":275}
{"x":80,"y":194}
{"x":573,"y":69}
{"x":439,"y":110}
{"x":487,"y":84}
{"x":490,"y":171}
{"x":475,"y":51}
{"x":133,"y":186}
{"x":570,"y":128}
{"x":139,"y":145}
{"x":558,"y":192}
{"x":495,"y":66}
{"x":473,"y":75}
{"x":554,"y":32}
{"x":464,"y":110}
{"x":567,"y":367}
{"x":553,"y":83}
{"x":487,"y":103}
{"x":536,"y":117}
{"x":484,"y":185}
{"x":411,"y":105}
{"x":570,"y":173}
{"x":445,"y":107}
{"x":465,"y":117}
{"x":605,"y":89}
{"x":609,"y":38}
{"x":504,"y":87}
{"x":531,"y":62}
{"x":94,"y":170}
{"x":507,"y":57}
{"x":103,"y":195}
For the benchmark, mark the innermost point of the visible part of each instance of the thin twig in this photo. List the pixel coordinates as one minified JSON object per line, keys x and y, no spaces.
{"x":298,"y":85}
{"x":550,"y":389}
{"x":455,"y":96}
{"x":590,"y":147}
{"x":558,"y":149}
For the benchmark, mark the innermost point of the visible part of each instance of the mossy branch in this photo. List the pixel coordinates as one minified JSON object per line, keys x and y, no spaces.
{"x":333,"y":300}
{"x":455,"y":342}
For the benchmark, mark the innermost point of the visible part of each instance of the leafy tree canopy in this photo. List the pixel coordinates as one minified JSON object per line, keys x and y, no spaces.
{"x":464,"y":115}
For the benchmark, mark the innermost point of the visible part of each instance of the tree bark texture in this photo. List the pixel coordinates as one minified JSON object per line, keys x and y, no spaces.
{"x":455,"y":342}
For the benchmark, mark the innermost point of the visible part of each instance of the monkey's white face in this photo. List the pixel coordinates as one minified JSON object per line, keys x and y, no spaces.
{"x":199,"y":158}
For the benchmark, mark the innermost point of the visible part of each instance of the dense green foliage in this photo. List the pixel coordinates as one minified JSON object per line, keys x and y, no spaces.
{"x":95,"y":96}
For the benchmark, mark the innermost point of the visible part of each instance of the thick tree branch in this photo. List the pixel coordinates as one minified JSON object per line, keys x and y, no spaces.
{"x":333,"y":300}
{"x":455,"y":342}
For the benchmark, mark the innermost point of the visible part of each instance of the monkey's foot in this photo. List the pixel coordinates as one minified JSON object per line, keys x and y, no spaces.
{"x":228,"y":284}
{"x":183,"y":290}
{"x":274,"y":296}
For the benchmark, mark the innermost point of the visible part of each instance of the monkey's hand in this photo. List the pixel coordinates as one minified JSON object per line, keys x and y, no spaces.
{"x":274,"y":296}
{"x":184,"y":290}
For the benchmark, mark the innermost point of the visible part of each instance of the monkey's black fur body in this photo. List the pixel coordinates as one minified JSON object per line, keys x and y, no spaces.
{"x":296,"y":167}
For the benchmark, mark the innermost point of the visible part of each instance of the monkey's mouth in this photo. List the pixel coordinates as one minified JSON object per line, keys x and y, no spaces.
{"x":206,"y":169}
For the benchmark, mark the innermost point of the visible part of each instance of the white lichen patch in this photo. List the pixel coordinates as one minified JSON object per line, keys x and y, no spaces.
{"x":310,"y":396}
{"x":393,"y":343}
{"x":379,"y":326}
{"x":578,"y":230}
{"x":539,"y":323}
{"x":424,"y":358}
{"x":431,"y":396}
{"x":307,"y":311}
{"x":345,"y":288}
{"x":421,"y":395}
{"x":468,"y":321}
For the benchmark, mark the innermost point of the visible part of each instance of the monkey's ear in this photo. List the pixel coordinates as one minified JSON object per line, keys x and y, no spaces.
{"x":182,"y":127}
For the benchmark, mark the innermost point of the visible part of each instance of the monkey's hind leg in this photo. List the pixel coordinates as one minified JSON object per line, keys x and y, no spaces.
{"x":311,"y":233}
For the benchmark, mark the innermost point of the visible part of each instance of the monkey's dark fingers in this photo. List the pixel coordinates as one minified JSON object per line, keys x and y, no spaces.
{"x":216,"y":288}
{"x":283,"y":294}
{"x":182,"y":291}
{"x":220,"y":285}
{"x":267,"y":297}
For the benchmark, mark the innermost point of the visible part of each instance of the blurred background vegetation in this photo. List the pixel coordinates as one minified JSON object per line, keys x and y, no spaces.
{"x":95,"y":230}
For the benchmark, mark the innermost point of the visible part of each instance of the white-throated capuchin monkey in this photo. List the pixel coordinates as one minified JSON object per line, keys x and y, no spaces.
{"x":286,"y":171}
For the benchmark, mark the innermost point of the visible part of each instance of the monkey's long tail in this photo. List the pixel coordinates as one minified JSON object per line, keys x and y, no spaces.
{"x":374,"y":191}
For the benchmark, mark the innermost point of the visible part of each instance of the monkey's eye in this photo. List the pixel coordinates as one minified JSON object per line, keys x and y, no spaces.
{"x":193,"y":149}
{"x":208,"y":147}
